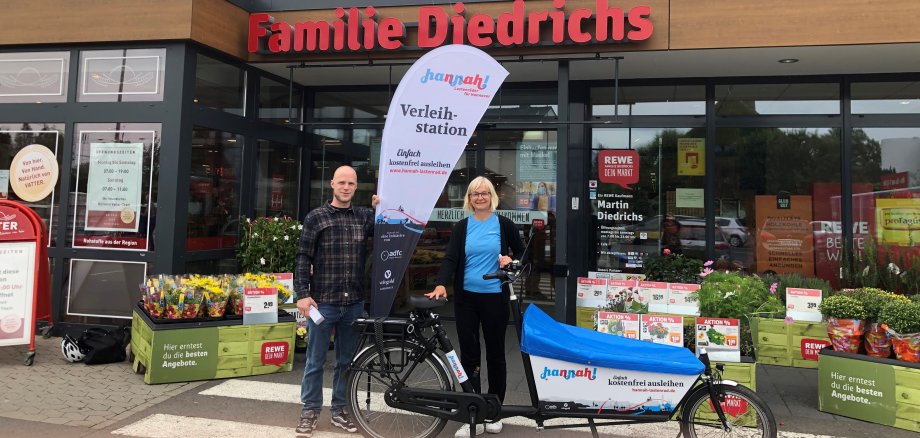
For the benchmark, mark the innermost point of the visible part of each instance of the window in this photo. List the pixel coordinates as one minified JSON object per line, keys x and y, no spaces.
{"x":885,"y":97}
{"x":103,"y":289}
{"x":125,"y":75}
{"x":214,"y":190}
{"x":34,"y":77}
{"x":220,"y":86}
{"x":650,"y":100}
{"x":273,"y":102}
{"x":277,"y":179}
{"x":772,"y":99}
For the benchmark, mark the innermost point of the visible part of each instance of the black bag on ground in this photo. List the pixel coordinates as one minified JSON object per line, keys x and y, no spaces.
{"x":104,"y":346}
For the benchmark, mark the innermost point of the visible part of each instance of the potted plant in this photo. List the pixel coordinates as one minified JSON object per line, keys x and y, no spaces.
{"x":735,"y":295}
{"x":902,"y":320}
{"x":876,"y":338}
{"x":268,"y":245}
{"x":845,"y":321}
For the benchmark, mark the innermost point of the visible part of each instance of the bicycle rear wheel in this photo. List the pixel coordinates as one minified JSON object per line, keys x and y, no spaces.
{"x":747,"y":414}
{"x":369,"y":380}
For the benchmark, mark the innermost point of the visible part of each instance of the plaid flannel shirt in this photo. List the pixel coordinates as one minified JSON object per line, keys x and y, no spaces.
{"x":332,"y":253}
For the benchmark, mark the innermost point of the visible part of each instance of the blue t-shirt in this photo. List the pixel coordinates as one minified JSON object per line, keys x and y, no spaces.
{"x":483,"y":245}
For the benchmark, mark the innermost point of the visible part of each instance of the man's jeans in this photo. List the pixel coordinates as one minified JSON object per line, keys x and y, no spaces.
{"x":346,"y":341}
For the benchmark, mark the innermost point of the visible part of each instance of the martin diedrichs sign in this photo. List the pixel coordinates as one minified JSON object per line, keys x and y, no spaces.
{"x":357,"y":29}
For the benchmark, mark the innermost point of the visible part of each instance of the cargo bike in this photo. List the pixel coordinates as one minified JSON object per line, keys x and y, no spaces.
{"x":402,"y":382}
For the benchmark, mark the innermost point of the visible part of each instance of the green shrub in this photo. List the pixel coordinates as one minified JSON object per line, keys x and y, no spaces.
{"x":842,"y":307}
{"x":915,"y":298}
{"x":901,"y":316}
{"x":268,"y":245}
{"x":873,"y":300}
{"x":673,"y":268}
{"x":800,"y":281}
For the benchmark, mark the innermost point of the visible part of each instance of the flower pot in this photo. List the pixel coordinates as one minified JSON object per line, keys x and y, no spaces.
{"x":907,"y":347}
{"x":217,"y":307}
{"x":845,"y":334}
{"x":877,"y":341}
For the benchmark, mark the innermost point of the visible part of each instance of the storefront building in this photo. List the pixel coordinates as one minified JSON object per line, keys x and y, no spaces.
{"x":773,"y":133}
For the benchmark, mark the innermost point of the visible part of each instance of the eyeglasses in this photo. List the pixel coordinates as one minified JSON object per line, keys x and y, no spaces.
{"x":480,"y":194}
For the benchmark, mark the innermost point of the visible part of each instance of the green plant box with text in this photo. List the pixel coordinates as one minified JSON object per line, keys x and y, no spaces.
{"x":182,"y":352}
{"x":882,"y":391}
{"x":777,"y":342}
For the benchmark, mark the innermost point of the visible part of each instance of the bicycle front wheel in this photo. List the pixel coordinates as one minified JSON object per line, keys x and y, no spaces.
{"x":747,"y":414}
{"x":370,"y":379}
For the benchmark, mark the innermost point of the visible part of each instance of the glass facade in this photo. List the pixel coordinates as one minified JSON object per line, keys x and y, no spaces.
{"x":760,"y":174}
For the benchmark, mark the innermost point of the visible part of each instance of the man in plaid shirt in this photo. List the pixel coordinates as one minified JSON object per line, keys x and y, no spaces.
{"x":330,"y":277}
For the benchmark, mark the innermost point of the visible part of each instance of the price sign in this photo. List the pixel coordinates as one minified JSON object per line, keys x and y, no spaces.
{"x":681,"y":300}
{"x":260,"y":305}
{"x":655,"y":294}
{"x":802,"y":304}
{"x":720,"y":337}
{"x":591,"y":292}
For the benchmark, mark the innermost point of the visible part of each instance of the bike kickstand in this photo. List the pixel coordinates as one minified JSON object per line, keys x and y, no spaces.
{"x":473,"y":420}
{"x":593,"y":427}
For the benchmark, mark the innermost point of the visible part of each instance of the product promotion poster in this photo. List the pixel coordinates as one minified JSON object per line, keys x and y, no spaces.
{"x":434,"y":111}
{"x":720,"y":337}
{"x":566,"y":388}
{"x":691,"y":157}
{"x":114,"y":186}
{"x":619,"y":324}
{"x":803,"y":304}
{"x":17,"y":276}
{"x":536,"y":166}
{"x":654,"y":292}
{"x":591,"y":292}
{"x":785,"y":242}
{"x":662,"y":329}
{"x":682,"y":300}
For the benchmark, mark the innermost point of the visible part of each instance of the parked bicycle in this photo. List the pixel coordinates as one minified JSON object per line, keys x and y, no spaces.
{"x":402,"y":382}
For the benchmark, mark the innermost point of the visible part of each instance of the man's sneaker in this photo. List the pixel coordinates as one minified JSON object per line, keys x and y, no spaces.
{"x":343,"y":420}
{"x":495,"y":427}
{"x":307,"y":423}
{"x":464,"y":431}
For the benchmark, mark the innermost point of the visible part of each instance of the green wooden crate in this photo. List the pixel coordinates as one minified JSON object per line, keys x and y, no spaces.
{"x":779,"y":343}
{"x":180,"y":352}
{"x":882,"y":391}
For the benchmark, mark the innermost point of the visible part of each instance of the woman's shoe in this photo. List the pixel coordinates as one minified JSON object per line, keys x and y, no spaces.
{"x":464,"y":431}
{"x":495,"y":427}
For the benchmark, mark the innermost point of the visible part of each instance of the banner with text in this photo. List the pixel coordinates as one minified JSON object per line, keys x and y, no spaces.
{"x":434,"y":111}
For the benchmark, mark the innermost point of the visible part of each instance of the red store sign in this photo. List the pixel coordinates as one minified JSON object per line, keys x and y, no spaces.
{"x":357,"y":29}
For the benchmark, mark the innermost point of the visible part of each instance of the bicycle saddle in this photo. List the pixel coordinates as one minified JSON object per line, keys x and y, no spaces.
{"x":423,"y":302}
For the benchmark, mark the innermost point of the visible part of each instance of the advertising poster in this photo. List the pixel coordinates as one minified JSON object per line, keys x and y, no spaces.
{"x":33,"y":173}
{"x":802,"y":304}
{"x":785,"y":244}
{"x":184,"y":355}
{"x":536,"y":166}
{"x":114,"y":186}
{"x":827,"y":229}
{"x":658,"y":290}
{"x":591,"y":292}
{"x":621,"y":290}
{"x":720,"y":337}
{"x":662,"y":329}
{"x":620,"y":324}
{"x":567,"y":388}
{"x":691,"y":157}
{"x":897,"y":221}
{"x":681,"y":299}
{"x":433,"y":113}
{"x":17,"y":274}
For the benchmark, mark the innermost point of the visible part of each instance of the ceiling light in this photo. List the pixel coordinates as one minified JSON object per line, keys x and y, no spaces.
{"x":788,"y":60}
{"x":905,"y":102}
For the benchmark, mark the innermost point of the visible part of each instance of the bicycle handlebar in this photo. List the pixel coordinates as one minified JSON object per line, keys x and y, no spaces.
{"x":497,"y":275}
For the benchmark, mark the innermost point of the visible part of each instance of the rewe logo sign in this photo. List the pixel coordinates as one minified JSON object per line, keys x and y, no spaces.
{"x":364,"y":29}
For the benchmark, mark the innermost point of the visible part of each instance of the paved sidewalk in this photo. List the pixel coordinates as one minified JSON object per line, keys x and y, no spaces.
{"x":58,"y":392}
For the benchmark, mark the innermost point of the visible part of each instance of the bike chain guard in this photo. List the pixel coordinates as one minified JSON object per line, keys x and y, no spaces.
{"x":449,"y":405}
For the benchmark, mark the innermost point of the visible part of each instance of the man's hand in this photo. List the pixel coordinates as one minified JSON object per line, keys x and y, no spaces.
{"x":375,"y":200}
{"x":304,"y":305}
{"x":438,"y":292}
{"x":503,"y":261}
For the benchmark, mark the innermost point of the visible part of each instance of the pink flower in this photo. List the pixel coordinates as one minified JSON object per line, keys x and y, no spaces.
{"x":667,"y":251}
{"x":773,"y":288}
{"x":789,"y":320}
{"x":708,"y":263}
{"x":706,"y":272}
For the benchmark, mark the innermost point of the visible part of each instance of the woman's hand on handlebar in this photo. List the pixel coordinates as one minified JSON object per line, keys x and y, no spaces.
{"x":503,"y":261}
{"x":438,"y":292}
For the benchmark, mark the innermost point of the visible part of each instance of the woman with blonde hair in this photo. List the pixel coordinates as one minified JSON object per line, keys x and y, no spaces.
{"x":480,"y":244}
